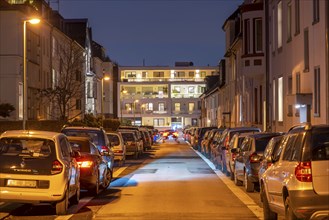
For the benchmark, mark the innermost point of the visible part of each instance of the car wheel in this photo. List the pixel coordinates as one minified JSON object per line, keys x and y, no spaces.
{"x":236,"y":181}
{"x":95,"y":189}
{"x":107,"y":179}
{"x":248,"y":185}
{"x":62,"y":206}
{"x":75,"y":199}
{"x":289,"y":214}
{"x":267,"y":212}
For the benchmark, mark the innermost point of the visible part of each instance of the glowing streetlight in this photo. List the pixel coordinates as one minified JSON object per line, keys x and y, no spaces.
{"x":31,"y":21}
{"x":106,"y":78}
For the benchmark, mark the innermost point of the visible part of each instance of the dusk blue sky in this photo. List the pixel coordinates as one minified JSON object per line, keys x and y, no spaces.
{"x":160,"y":32}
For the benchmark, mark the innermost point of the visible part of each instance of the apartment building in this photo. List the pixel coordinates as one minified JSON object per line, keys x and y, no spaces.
{"x":61,"y":76}
{"x":162,"y":96}
{"x":298,"y":62}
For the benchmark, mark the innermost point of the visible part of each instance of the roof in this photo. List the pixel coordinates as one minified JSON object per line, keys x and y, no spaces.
{"x":30,"y":133}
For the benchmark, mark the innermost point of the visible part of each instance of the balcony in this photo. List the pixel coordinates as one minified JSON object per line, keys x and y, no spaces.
{"x":164,"y":79}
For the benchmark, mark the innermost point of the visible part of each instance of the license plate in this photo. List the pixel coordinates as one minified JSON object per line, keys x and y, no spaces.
{"x":22,"y":183}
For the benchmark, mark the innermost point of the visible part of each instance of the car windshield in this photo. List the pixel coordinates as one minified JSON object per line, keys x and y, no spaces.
{"x":26,"y":147}
{"x":320,"y":145}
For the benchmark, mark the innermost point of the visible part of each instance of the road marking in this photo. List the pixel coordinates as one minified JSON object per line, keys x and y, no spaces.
{"x":238,"y":192}
{"x":119,"y":171}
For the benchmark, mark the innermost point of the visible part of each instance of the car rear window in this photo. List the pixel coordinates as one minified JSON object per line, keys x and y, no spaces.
{"x":82,"y":146}
{"x":320,"y":144}
{"x":113,"y":138}
{"x":261,"y":143}
{"x":26,"y":147}
{"x":95,"y":136}
{"x":128,"y":136}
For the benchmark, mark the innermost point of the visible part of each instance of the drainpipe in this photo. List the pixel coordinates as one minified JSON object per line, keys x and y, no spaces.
{"x":327,"y":56}
{"x":267,"y":71}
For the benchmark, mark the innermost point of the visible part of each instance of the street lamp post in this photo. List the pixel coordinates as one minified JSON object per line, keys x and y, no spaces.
{"x":102,"y":97}
{"x":31,"y":21}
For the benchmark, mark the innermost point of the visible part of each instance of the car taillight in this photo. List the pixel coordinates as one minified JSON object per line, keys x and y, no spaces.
{"x":269,"y":164}
{"x":104,"y":148}
{"x":254,"y":158}
{"x":118,"y":151}
{"x":85,"y":164}
{"x":57,"y":167}
{"x":233,"y":156}
{"x":303,"y":172}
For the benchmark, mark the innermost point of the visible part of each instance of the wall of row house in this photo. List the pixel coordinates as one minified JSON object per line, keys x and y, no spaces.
{"x":276,"y":67}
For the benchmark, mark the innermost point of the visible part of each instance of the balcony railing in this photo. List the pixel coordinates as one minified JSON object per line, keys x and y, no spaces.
{"x":163,"y":79}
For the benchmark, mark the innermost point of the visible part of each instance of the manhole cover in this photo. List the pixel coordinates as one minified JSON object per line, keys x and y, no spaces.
{"x":200,"y":170}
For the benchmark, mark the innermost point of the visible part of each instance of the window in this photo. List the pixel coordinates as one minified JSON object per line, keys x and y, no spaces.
{"x":317,"y":90}
{"x":78,"y":104}
{"x":176,"y":89}
{"x":144,"y":74}
{"x":289,"y":149}
{"x":158,"y":74}
{"x":161,"y":106}
{"x":297,"y":83}
{"x":89,"y":91}
{"x":274,"y":99}
{"x":279,"y":20}
{"x":20,"y":100}
{"x":65,"y":147}
{"x":159,"y":122}
{"x":273,"y":30}
{"x":306,"y":51}
{"x":180,"y":74}
{"x":316,"y":11}
{"x":191,"y":106}
{"x":289,"y":16}
{"x":280,"y":99}
{"x":130,"y":74}
{"x":297,"y":17}
{"x":203,"y":74}
{"x":258,"y":35}
{"x":191,"y":89}
{"x":191,"y":74}
{"x":289,"y":85}
{"x":149,"y":106}
{"x":247,"y":36}
{"x":177,"y":107}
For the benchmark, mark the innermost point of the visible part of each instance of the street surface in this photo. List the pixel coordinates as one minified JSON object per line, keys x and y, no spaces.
{"x":171,"y":181}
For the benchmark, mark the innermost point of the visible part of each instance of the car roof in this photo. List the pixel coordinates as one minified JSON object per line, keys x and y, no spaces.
{"x":31,"y":133}
{"x":264,"y":134}
{"x":82,"y":128}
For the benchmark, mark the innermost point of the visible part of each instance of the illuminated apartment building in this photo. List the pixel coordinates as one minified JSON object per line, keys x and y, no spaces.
{"x":162,"y":96}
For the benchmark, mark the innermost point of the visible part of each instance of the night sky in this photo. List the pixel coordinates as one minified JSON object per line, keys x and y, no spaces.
{"x":159,"y":32}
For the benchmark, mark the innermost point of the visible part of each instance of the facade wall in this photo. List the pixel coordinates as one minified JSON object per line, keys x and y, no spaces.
{"x":297,"y":60}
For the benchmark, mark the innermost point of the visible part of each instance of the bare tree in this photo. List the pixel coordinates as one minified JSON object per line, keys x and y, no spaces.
{"x":66,"y":93}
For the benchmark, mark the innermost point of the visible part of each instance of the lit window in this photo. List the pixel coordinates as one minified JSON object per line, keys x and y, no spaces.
{"x":280,"y":99}
{"x":279,"y":24}
{"x":258,"y":35}
{"x":177,"y":107}
{"x":317,"y":91}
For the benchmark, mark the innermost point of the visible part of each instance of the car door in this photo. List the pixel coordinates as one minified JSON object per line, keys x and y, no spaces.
{"x":239,"y":160}
{"x":71,"y":166}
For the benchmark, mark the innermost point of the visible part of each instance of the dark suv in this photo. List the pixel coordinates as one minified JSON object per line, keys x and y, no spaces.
{"x":296,"y":185}
{"x":98,"y":137}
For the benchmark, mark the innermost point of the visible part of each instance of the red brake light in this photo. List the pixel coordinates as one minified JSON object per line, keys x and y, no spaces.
{"x":303,"y":172}
{"x":104,"y":148}
{"x":57,"y":167}
{"x":118,"y":151}
{"x":85,"y":164}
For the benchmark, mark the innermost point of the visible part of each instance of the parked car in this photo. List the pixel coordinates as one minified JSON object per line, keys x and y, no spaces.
{"x":131,"y":142}
{"x":220,"y":152}
{"x":233,"y":148}
{"x":215,"y":143}
{"x":271,"y":149}
{"x":247,"y":160}
{"x":98,"y":137}
{"x":94,"y":173}
{"x":118,"y":146}
{"x":38,"y":167}
{"x":200,"y":134}
{"x":207,"y":143}
{"x":296,"y":185}
{"x":147,"y":140}
{"x":139,"y":140}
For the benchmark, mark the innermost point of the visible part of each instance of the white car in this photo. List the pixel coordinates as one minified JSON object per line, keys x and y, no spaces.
{"x":38,"y":167}
{"x":118,"y":146}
